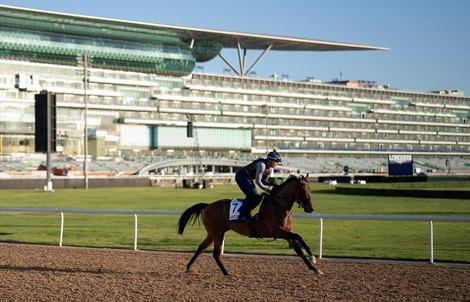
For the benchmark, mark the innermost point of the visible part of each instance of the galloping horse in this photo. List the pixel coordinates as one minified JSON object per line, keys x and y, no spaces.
{"x":274,"y":220}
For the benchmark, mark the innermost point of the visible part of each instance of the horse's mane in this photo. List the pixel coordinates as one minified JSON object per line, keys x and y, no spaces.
{"x":290,"y":179}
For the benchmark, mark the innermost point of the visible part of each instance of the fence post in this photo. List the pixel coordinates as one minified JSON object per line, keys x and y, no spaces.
{"x":431,"y":243}
{"x":320,"y":248}
{"x":135,"y":232}
{"x":61,"y":228}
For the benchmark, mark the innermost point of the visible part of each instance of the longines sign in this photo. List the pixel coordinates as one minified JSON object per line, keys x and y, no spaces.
{"x":400,"y":164}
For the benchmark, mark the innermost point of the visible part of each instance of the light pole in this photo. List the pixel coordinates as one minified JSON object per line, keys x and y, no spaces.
{"x":84,"y":62}
{"x":266,"y":112}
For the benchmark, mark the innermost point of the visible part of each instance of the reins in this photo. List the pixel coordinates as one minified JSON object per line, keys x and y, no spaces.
{"x":289,"y":198}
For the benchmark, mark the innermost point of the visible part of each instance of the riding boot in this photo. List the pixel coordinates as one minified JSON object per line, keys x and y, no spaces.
{"x":247,"y":207}
{"x":256,"y":201}
{"x":244,"y":212}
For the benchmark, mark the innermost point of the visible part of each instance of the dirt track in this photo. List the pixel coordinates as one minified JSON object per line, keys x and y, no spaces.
{"x":42,"y":273}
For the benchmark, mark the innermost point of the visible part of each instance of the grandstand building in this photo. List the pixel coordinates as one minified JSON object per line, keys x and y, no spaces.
{"x":145,"y":100}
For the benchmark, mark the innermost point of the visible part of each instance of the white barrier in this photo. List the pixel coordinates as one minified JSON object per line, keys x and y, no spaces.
{"x":378,"y":217}
{"x":84,"y":211}
{"x":314,"y":216}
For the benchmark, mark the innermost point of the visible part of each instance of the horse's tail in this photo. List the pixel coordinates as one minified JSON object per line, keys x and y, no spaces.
{"x":191,"y":213}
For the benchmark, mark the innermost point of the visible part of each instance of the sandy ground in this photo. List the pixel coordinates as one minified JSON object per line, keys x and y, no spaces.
{"x":46,"y":273}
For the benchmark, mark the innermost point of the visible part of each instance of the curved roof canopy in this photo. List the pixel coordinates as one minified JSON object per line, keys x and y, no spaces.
{"x":201,"y":44}
{"x":231,"y":39}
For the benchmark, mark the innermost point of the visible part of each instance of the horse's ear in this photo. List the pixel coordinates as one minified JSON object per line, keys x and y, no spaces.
{"x":306,"y":177}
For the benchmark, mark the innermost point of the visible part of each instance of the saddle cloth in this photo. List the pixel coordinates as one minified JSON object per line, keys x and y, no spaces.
{"x":235,"y":205}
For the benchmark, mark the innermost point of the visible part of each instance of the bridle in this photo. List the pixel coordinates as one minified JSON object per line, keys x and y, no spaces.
{"x":291,"y":198}
{"x":301,"y":202}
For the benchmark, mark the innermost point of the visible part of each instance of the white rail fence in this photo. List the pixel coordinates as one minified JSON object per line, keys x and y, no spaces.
{"x":430,"y":219}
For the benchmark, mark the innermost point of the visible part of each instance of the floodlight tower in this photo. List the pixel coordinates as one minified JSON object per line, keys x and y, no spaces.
{"x":84,"y":63}
{"x":265,"y":111}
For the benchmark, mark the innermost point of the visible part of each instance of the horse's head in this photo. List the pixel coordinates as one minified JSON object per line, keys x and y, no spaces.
{"x":303,"y":194}
{"x":296,"y":189}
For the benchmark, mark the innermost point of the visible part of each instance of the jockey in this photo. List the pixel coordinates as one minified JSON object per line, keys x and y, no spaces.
{"x":259,"y":171}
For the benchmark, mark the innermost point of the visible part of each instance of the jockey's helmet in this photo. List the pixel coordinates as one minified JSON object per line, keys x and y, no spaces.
{"x":275,"y":156}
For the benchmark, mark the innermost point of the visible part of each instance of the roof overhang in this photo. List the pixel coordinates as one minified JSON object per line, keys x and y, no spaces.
{"x":261,"y":42}
{"x":228,"y":39}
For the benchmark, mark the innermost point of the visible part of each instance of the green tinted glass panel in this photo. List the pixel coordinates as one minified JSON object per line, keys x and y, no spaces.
{"x":206,"y":50}
{"x":83,"y":26}
{"x":55,"y":38}
{"x":106,"y":53}
{"x":202,"y":137}
{"x":135,"y":136}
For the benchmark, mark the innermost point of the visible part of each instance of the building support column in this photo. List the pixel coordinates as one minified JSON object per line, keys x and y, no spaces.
{"x":242,"y":60}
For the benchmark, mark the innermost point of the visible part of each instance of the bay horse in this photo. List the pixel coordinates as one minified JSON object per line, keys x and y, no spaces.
{"x":274,"y":221}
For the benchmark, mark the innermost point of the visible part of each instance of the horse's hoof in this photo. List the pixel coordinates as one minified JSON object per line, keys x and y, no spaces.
{"x":318,"y":272}
{"x":313,"y":259}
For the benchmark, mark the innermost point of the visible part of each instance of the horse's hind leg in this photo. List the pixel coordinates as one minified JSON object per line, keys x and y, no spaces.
{"x":202,"y":247}
{"x":299,"y":243}
{"x":216,"y":254}
{"x":296,"y":237}
{"x":302,"y":243}
{"x":298,"y":249}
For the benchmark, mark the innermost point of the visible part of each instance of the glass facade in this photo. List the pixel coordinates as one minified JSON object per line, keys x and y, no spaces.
{"x":149,"y":113}
{"x":322,"y":118}
{"x":206,"y":138}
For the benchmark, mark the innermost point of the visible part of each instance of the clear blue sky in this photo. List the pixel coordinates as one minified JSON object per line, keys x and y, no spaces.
{"x":429,"y":40}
